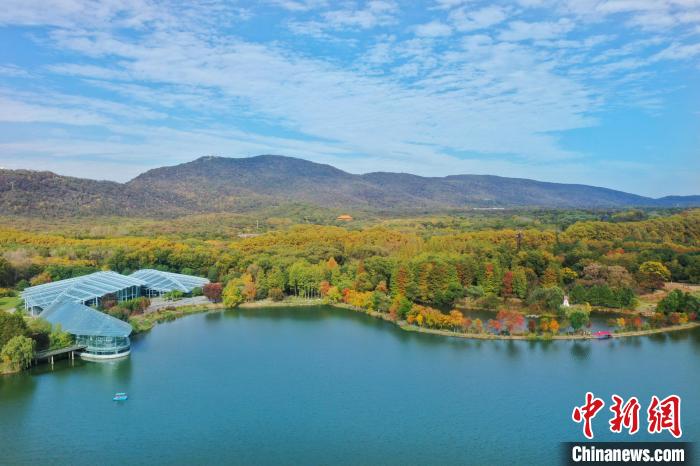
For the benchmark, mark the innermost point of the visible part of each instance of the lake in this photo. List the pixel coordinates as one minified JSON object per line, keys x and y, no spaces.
{"x":320,"y":385}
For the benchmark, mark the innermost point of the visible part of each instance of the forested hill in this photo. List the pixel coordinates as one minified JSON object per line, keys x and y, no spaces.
{"x":214,"y":184}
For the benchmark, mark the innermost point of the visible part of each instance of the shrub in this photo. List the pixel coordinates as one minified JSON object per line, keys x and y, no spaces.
{"x":275,"y":294}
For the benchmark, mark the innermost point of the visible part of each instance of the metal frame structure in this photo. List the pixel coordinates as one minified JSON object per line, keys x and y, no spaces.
{"x":159,"y":282}
{"x":88,"y":290}
{"x":103,"y":335}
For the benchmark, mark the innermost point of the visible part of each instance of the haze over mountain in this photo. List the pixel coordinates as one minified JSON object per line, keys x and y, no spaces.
{"x":217,"y":184}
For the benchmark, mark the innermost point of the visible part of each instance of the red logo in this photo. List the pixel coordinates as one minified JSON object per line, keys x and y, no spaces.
{"x":587,"y":412}
{"x":661,"y":415}
{"x":626,"y":415}
{"x":665,"y":415}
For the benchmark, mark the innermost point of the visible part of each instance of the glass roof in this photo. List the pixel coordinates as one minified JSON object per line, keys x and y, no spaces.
{"x":78,"y":289}
{"x":79,"y":319}
{"x":169,"y":281}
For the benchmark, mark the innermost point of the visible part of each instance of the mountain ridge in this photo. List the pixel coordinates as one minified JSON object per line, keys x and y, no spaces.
{"x":221,"y":184}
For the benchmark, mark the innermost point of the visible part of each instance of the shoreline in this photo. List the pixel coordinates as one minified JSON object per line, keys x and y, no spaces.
{"x":146,"y":322}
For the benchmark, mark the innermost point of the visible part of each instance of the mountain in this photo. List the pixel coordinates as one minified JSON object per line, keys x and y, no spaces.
{"x":216,"y":184}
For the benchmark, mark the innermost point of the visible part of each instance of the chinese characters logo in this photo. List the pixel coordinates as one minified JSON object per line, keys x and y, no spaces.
{"x":662,"y":415}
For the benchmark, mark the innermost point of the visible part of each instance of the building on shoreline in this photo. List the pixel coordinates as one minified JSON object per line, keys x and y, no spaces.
{"x":158,"y":282}
{"x":88,"y":290}
{"x":104,"y":336}
{"x":91,"y":289}
{"x":72,"y":304}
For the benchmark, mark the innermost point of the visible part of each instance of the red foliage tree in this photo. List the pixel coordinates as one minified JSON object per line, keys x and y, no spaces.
{"x":511,"y":320}
{"x":212,"y":291}
{"x":507,"y":289}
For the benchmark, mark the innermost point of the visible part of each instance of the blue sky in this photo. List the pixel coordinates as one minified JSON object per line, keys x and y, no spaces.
{"x":582,"y":91}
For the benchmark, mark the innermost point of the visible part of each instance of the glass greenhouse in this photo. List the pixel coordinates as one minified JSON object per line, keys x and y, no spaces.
{"x":104,"y":336}
{"x":88,"y":290}
{"x":159,"y":282}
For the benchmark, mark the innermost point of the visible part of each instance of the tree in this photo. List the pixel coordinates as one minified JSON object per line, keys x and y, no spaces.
{"x":331,"y":264}
{"x":11,"y":325}
{"x":550,"y":278}
{"x":7,"y":273}
{"x":18,"y":352}
{"x":323,"y":288}
{"x":678,"y":301}
{"x":653,"y":274}
{"x":568,"y":275}
{"x":507,"y":285}
{"x":213,"y":291}
{"x":232,"y":295}
{"x":276,"y":294}
{"x":531,"y":325}
{"x":511,"y":320}
{"x":578,"y":319}
{"x":554,"y":326}
{"x":546,"y":299}
{"x":400,"y":306}
{"x":490,"y":279}
{"x":333,"y":295}
{"x":520,"y":283}
{"x":250,"y":289}
{"x":58,"y":338}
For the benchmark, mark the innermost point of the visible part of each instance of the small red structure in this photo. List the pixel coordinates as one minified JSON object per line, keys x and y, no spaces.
{"x":602,"y":334}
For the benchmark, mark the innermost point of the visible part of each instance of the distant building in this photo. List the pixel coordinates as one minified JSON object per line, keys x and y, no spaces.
{"x":566,"y":301}
{"x":344,"y":218}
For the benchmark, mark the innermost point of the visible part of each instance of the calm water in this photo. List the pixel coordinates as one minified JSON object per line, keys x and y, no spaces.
{"x":327,"y":386}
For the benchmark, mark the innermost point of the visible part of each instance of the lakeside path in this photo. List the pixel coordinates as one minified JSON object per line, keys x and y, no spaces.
{"x":187,"y":309}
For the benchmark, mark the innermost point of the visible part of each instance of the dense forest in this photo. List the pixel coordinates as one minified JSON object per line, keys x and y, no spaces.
{"x":430,"y":263}
{"x":417,"y":271}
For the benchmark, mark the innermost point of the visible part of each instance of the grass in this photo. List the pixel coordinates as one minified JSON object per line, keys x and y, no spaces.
{"x":8,"y":303}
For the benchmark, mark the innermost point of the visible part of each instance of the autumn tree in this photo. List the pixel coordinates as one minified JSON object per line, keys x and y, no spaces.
{"x":511,"y":320}
{"x":232,"y":295}
{"x":507,"y":284}
{"x":212,"y":291}
{"x":653,"y":274}
{"x":249,"y":287}
{"x":554,"y":326}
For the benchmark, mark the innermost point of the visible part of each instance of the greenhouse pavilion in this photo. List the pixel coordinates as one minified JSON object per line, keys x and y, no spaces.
{"x":159,"y":282}
{"x":104,"y":336}
{"x":71,"y":304}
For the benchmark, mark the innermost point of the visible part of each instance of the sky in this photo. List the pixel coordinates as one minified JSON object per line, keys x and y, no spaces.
{"x":605,"y":93}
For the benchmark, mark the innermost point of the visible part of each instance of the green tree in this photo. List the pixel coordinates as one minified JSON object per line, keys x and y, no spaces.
{"x":578,"y":319}
{"x":11,"y":325}
{"x":520,"y":282}
{"x":58,"y":338}
{"x":18,"y":352}
{"x":678,"y":301}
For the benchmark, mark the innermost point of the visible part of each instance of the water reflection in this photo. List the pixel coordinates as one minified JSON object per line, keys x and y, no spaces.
{"x":581,"y":350}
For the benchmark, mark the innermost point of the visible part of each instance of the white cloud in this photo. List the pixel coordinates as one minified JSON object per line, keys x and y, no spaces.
{"x":433,"y":29}
{"x":466,"y":19}
{"x":522,"y":30}
{"x":157,"y":83}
